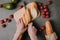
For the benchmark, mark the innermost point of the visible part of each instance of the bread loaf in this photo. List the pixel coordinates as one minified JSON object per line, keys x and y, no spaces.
{"x":27,"y":14}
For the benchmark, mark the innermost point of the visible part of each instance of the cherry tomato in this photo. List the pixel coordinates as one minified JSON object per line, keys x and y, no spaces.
{"x":47,"y":16}
{"x":43,"y":13}
{"x":49,"y":2}
{"x":42,"y":28}
{"x":3,"y":25}
{"x":47,"y":13}
{"x":1,"y":5}
{"x":5,"y":20}
{"x":9,"y":20}
{"x":45,"y":6}
{"x":41,"y":7}
{"x":1,"y":21}
{"x":10,"y":16}
{"x":45,"y":9}
{"x":43,"y":16}
{"x":20,"y":6}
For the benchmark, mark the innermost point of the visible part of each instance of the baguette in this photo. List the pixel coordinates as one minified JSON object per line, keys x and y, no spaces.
{"x":49,"y":29}
{"x":27,"y":14}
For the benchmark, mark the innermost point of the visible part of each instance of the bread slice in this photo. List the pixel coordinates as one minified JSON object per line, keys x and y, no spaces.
{"x":26,"y":17}
{"x":18,"y":14}
{"x":33,"y":9}
{"x":24,"y":14}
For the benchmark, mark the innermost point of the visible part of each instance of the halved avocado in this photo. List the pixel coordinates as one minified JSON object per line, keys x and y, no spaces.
{"x":9,"y":6}
{"x":15,"y":1}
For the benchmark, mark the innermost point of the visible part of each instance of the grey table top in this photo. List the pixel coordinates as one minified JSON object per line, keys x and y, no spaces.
{"x":8,"y":32}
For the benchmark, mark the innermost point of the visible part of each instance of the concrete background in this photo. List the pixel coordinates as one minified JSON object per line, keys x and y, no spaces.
{"x":8,"y":32}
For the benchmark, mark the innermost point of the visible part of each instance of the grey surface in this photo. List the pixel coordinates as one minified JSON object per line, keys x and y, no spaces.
{"x":8,"y":32}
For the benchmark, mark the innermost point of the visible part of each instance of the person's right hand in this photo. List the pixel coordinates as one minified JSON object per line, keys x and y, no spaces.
{"x":32,"y":31}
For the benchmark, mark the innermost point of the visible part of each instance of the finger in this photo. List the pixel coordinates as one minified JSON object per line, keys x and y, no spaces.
{"x":30,"y":24}
{"x":34,"y":28}
{"x":20,"y":20}
{"x":24,"y":29}
{"x":30,"y":27}
{"x":16,"y":24}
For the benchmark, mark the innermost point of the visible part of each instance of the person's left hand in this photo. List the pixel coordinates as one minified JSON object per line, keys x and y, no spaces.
{"x":20,"y":27}
{"x":20,"y":30}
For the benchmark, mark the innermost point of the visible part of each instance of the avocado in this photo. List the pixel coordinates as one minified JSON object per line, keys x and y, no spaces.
{"x":8,"y":6}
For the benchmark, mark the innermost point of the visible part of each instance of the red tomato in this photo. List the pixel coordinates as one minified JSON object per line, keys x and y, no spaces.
{"x":45,"y":9}
{"x":9,"y":20}
{"x":10,"y":16}
{"x":40,"y":4}
{"x":43,"y":16}
{"x":43,"y":13}
{"x":49,"y":2}
{"x":3,"y":25}
{"x":45,"y":6}
{"x":41,"y":7}
{"x":1,"y":21}
{"x":47,"y":16}
{"x":20,"y":6}
{"x":1,"y":5}
{"x":47,"y":13}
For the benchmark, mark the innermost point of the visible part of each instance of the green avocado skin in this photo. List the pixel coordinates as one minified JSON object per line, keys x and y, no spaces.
{"x":14,"y":1}
{"x":8,"y":6}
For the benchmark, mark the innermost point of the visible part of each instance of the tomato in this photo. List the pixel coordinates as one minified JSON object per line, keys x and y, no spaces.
{"x":1,"y":5}
{"x":41,"y":7}
{"x":5,"y":20}
{"x":47,"y":16}
{"x":45,"y":6}
{"x":20,"y":6}
{"x":43,"y":13}
{"x":10,"y":16}
{"x":3,"y":25}
{"x":1,"y":21}
{"x":49,"y":2}
{"x":47,"y":13}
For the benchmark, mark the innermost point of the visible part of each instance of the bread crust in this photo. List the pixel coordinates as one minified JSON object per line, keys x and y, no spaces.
{"x":31,"y":6}
{"x":26,"y":17}
{"x":18,"y":14}
{"x":49,"y":29}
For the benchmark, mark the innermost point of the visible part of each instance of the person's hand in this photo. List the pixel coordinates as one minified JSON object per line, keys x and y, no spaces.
{"x":20,"y":30}
{"x":20,"y":26}
{"x":32,"y":31}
